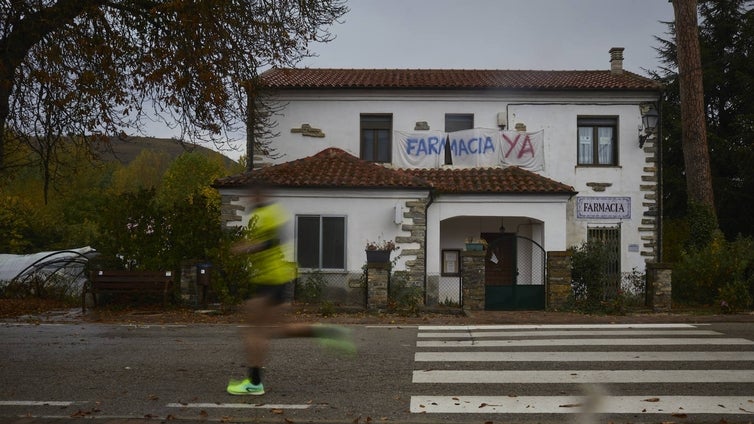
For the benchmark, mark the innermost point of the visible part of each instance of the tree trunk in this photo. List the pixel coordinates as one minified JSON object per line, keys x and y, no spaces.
{"x":693,"y":117}
{"x":250,"y":127}
{"x":4,"y":112}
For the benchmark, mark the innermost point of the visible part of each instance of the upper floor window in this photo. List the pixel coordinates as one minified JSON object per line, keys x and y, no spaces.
{"x":598,"y":141}
{"x":376,"y":137}
{"x":321,"y":241}
{"x":456,"y":122}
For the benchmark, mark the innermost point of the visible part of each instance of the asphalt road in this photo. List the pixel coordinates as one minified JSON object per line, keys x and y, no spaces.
{"x":117,"y":373}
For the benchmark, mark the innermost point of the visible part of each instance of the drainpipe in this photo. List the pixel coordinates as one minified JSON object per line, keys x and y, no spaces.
{"x":426,"y":231}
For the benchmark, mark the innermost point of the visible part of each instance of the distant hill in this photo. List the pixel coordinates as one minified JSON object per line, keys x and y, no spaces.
{"x":125,"y":150}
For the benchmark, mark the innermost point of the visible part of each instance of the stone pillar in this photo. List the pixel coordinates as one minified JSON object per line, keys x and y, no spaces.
{"x":558,"y":279}
{"x":659,"y":287}
{"x":472,"y":277}
{"x":378,"y":275}
{"x":188,"y":282}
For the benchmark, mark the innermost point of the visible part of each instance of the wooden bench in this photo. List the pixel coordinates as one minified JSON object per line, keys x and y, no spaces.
{"x":136,"y":282}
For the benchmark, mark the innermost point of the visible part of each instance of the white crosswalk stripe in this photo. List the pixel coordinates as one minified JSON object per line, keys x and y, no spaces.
{"x":581,"y":369}
{"x":585,"y":342}
{"x":628,"y":356}
{"x":585,"y":376}
{"x":542,"y":333}
{"x":573,"y":404}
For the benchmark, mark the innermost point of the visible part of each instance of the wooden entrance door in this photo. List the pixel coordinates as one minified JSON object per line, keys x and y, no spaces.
{"x":500,"y":270}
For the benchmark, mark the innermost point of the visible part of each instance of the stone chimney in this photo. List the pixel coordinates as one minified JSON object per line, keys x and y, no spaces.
{"x":616,"y":60}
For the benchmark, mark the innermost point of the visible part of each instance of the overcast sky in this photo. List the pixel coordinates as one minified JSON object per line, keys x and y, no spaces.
{"x":495,"y":34}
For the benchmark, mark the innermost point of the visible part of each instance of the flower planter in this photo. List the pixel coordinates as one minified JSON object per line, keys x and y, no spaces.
{"x":378,"y":256}
{"x":474,"y":247}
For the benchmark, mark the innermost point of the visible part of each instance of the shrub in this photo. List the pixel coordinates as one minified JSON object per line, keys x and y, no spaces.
{"x":44,"y":286}
{"x":702,"y":226}
{"x":588,"y":276}
{"x":701,"y":274}
{"x":404,"y":297}
{"x":231,"y":273}
{"x":733,"y":297}
{"x":327,"y":309}
{"x":634,"y":288}
{"x":312,"y":288}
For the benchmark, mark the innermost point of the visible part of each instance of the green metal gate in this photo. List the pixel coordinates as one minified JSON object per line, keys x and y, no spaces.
{"x":515,"y":269}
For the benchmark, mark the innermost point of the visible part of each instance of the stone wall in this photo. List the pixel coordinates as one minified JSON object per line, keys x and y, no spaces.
{"x":229,"y":212}
{"x":415,"y":223}
{"x":378,"y":275}
{"x":650,"y":227}
{"x":472,"y":275}
{"x":558,"y":279}
{"x":659,"y":287}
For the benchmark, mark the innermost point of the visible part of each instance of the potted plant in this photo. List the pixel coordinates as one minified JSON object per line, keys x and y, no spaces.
{"x":379,"y":251}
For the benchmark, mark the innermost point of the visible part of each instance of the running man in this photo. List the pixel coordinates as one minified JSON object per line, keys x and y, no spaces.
{"x":266,"y":312}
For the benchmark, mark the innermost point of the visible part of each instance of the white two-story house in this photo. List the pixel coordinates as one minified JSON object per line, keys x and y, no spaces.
{"x":529,"y":161}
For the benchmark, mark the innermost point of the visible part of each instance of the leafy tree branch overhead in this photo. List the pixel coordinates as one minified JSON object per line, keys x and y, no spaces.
{"x":110,"y":66}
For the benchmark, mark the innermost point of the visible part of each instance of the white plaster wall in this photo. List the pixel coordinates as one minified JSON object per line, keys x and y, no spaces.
{"x":336,"y":113}
{"x":368,"y":217}
{"x":560,"y":125}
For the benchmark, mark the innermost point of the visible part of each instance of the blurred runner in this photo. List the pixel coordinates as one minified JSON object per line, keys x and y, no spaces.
{"x":266,"y":312}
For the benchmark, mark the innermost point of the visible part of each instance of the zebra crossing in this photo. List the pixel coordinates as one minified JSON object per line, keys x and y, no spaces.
{"x":638,"y":369}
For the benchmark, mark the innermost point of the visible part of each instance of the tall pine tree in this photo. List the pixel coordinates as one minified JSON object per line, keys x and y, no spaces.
{"x":726,"y":38}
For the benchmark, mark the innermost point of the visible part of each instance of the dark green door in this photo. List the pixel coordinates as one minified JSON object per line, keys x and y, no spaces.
{"x":504,"y":289}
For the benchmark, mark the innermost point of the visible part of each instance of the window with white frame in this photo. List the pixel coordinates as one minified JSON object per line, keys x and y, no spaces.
{"x":321,"y":241}
{"x":598,"y":141}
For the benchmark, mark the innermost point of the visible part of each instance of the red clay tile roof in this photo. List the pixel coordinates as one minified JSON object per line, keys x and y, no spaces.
{"x":511,"y":179}
{"x":330,"y":168}
{"x":334,"y":168}
{"x":310,"y":78}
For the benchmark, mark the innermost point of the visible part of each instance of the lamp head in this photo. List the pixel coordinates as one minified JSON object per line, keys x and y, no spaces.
{"x":649,"y":119}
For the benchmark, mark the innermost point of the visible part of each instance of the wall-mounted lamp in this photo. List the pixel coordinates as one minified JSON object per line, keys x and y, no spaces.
{"x":649,"y":120}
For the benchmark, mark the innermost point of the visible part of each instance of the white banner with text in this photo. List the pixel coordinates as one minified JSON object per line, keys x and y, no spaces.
{"x":478,"y":147}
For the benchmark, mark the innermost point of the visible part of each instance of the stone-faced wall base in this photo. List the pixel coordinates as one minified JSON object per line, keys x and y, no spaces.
{"x":659,"y":286}
{"x":378,"y":275}
{"x":558,"y":280}
{"x":472,"y":275}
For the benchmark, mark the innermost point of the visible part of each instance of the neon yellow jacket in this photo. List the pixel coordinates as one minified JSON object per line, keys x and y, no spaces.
{"x":269,"y":266}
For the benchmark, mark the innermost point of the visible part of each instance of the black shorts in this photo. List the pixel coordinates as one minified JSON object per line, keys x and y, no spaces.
{"x":274,"y":293}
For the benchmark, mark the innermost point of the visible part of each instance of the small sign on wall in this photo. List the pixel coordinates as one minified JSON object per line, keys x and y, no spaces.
{"x":603,"y":207}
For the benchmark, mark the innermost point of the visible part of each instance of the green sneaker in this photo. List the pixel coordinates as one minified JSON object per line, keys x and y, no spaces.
{"x":335,"y":338}
{"x":244,"y":387}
